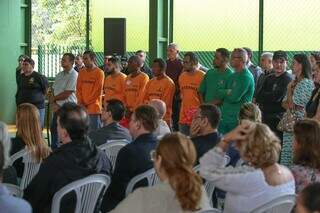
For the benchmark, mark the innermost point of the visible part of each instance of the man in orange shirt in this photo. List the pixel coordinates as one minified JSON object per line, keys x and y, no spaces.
{"x":189,"y":82}
{"x":89,"y":88}
{"x":114,"y":82}
{"x":160,"y":87}
{"x":135,"y":84}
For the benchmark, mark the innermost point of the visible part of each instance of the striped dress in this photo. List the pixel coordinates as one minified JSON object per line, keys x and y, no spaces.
{"x":301,"y":96}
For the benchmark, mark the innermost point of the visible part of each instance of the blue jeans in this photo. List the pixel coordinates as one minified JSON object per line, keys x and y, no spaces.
{"x":54,"y":132}
{"x":184,"y":129}
{"x":95,"y":122}
{"x":42,"y":113}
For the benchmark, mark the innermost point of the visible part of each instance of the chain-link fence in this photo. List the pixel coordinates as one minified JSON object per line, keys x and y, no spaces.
{"x":200,"y":26}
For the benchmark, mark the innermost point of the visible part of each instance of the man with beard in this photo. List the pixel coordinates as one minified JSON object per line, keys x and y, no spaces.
{"x":216,"y":78}
{"x":115,"y":81}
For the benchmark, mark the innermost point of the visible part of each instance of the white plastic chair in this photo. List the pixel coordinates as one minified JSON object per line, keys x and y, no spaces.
{"x":88,"y":191}
{"x":240,"y":162}
{"x":208,"y":186}
{"x":13,"y":189}
{"x":283,"y":204}
{"x":210,"y":211}
{"x":150,"y":175}
{"x":31,"y":167}
{"x":112,"y":148}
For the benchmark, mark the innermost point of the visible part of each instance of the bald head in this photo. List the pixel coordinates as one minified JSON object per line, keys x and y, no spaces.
{"x":160,"y":107}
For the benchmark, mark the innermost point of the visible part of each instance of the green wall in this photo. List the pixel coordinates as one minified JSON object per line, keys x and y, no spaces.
{"x":10,"y":38}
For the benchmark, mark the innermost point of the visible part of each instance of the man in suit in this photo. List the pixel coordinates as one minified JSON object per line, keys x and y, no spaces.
{"x":134,"y":158}
{"x":112,"y":113}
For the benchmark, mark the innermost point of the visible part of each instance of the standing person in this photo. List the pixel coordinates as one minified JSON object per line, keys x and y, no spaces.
{"x":135,"y":84}
{"x":255,"y":70}
{"x":239,"y":90}
{"x":298,"y":94}
{"x":189,"y":82}
{"x":271,"y":94}
{"x":89,"y":88}
{"x":160,"y":87}
{"x":216,"y":78}
{"x":64,"y":90}
{"x":114,"y":83}
{"x":19,"y":70}
{"x":314,"y":58}
{"x":173,"y":70}
{"x":144,"y":68}
{"x":78,"y":62}
{"x":313,"y":106}
{"x":267,"y":69}
{"x":32,"y":88}
{"x":105,"y":66}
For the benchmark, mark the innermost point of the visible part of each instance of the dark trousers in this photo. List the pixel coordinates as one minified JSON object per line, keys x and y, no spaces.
{"x":54,"y":132}
{"x":176,"y":111}
{"x":272,"y":120}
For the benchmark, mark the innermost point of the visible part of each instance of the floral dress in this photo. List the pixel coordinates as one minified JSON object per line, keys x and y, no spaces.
{"x":301,"y":95}
{"x":304,"y":176}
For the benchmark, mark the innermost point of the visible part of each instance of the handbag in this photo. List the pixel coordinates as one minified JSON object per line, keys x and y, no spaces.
{"x":287,"y":121}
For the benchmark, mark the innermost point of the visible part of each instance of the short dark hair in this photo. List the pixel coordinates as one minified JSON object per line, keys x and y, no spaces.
{"x":91,"y":54}
{"x":302,"y":59}
{"x":316,"y":56}
{"x":140,"y":51}
{"x":193,"y":57}
{"x":1,"y":158}
{"x":249,"y":52}
{"x":22,"y":57}
{"x":74,"y":119}
{"x":148,"y":116}
{"x":116,"y":61}
{"x":29,"y":61}
{"x":161,"y":62}
{"x":116,"y":108}
{"x":224,"y":53}
{"x":70,"y":56}
{"x":136,"y":59}
{"x":280,"y":54}
{"x":311,"y":197}
{"x":212,"y":113}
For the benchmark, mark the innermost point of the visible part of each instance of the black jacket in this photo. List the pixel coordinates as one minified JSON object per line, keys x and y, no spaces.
{"x":70,"y":162}
{"x":132,"y":160}
{"x":110,"y":132}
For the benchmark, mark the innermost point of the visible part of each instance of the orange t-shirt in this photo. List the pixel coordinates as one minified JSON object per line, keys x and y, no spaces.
{"x":114,"y":87}
{"x":134,"y":90}
{"x":89,"y":89}
{"x":190,"y":99}
{"x":162,"y":89}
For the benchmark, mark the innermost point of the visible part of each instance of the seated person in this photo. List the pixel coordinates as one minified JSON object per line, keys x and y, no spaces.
{"x":180,"y":189}
{"x":248,"y":187}
{"x":308,"y":200}
{"x":306,"y":159}
{"x":29,"y":136}
{"x":9,"y":174}
{"x":76,"y":158}
{"x":9,"y":203}
{"x":112,"y":113}
{"x":134,"y":158}
{"x":204,"y":133}
{"x":163,"y":127}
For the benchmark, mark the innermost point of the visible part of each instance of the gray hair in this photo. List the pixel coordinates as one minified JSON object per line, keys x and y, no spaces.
{"x":174,"y":45}
{"x":160,"y":107}
{"x":267,"y":55}
{"x":6,"y":142}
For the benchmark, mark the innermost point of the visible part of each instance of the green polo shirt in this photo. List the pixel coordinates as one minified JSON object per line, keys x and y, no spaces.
{"x":212,"y":82}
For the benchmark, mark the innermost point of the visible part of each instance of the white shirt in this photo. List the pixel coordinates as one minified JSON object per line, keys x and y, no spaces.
{"x":246,"y":186}
{"x":160,"y":198}
{"x":162,"y":129}
{"x":66,"y":81}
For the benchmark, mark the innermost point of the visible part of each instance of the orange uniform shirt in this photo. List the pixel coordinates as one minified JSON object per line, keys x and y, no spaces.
{"x":190,"y":99}
{"x":134,"y":90}
{"x":114,"y":87}
{"x":89,"y":89}
{"x":162,"y":89}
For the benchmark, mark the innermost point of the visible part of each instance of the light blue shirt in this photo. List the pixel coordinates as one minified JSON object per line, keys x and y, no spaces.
{"x":10,"y":204}
{"x":66,"y":81}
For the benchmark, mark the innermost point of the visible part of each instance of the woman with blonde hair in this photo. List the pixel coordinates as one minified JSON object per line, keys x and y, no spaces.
{"x":181,"y":187}
{"x":255,"y":184}
{"x":29,"y":135}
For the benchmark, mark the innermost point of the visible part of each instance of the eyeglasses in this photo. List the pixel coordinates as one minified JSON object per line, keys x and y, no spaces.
{"x":153,"y":155}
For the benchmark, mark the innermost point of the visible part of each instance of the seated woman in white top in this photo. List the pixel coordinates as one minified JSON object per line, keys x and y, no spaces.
{"x":248,"y":187}
{"x":180,"y":189}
